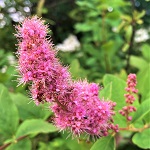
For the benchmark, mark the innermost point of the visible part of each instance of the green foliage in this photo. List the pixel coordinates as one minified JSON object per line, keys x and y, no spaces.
{"x":106,"y":143}
{"x":106,"y":30}
{"x":9,"y":118}
{"x":19,"y":109}
{"x":96,"y":21}
{"x":142,"y":111}
{"x":56,"y":144}
{"x":25,"y":144}
{"x":142,"y":139}
{"x":73,"y":144}
{"x":76,"y":70}
{"x":34,"y":126}
{"x":143,"y":64}
{"x":27,"y":109}
{"x":111,"y":86}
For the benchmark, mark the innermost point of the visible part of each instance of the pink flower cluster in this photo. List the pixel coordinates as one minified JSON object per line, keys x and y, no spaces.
{"x":86,"y":112}
{"x":37,"y":61}
{"x":131,"y":84}
{"x":75,"y":104}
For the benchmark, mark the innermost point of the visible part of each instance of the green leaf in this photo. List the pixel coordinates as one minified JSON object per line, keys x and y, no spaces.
{"x":91,"y":50}
{"x":27,"y":109}
{"x":142,"y":111}
{"x":142,"y":139}
{"x":122,"y":74}
{"x":138,"y":62}
{"x":83,"y":27}
{"x":138,"y":15}
{"x":128,"y":32}
{"x":125,"y":47}
{"x":35,"y":126}
{"x":8,"y":113}
{"x":143,"y":82}
{"x":74,"y":144}
{"x":76,"y":70}
{"x":24,"y":144}
{"x":146,"y":51}
{"x":114,"y":15}
{"x":84,"y":4}
{"x":127,"y":18}
{"x":108,"y":46}
{"x":139,"y":21}
{"x":115,"y":91}
{"x":105,"y":143}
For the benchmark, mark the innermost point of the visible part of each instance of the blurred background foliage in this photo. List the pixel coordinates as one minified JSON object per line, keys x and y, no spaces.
{"x":109,"y":37}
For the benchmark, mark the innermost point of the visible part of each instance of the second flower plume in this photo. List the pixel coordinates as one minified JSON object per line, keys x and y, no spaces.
{"x":75,"y":104}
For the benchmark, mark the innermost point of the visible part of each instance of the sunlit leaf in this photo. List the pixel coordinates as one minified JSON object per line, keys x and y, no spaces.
{"x":105,"y":143}
{"x":142,"y":111}
{"x":142,"y":139}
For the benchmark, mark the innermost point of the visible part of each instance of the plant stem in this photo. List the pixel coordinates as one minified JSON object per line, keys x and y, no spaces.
{"x":6,"y":145}
{"x":104,"y":34}
{"x":135,"y":129}
{"x":61,"y":105}
{"x":132,"y":38}
{"x":40,"y":7}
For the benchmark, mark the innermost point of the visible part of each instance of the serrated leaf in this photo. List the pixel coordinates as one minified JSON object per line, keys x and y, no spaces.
{"x":35,"y":126}
{"x":142,"y":111}
{"x":8,"y":113}
{"x":105,"y":143}
{"x":142,"y":139}
{"x":27,"y":109}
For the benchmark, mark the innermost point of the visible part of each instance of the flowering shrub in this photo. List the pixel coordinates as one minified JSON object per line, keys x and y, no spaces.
{"x":77,"y":105}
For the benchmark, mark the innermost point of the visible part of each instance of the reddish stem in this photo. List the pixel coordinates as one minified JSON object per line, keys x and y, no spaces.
{"x":6,"y":145}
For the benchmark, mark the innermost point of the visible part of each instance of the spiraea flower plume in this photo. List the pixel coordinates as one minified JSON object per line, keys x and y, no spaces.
{"x":75,"y":104}
{"x":129,"y":97}
{"x":86,"y":113}
{"x":37,"y":61}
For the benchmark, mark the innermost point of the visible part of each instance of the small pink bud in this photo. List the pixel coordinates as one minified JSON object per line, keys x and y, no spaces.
{"x":129,"y":118}
{"x":125,"y":108}
{"x":134,"y":109}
